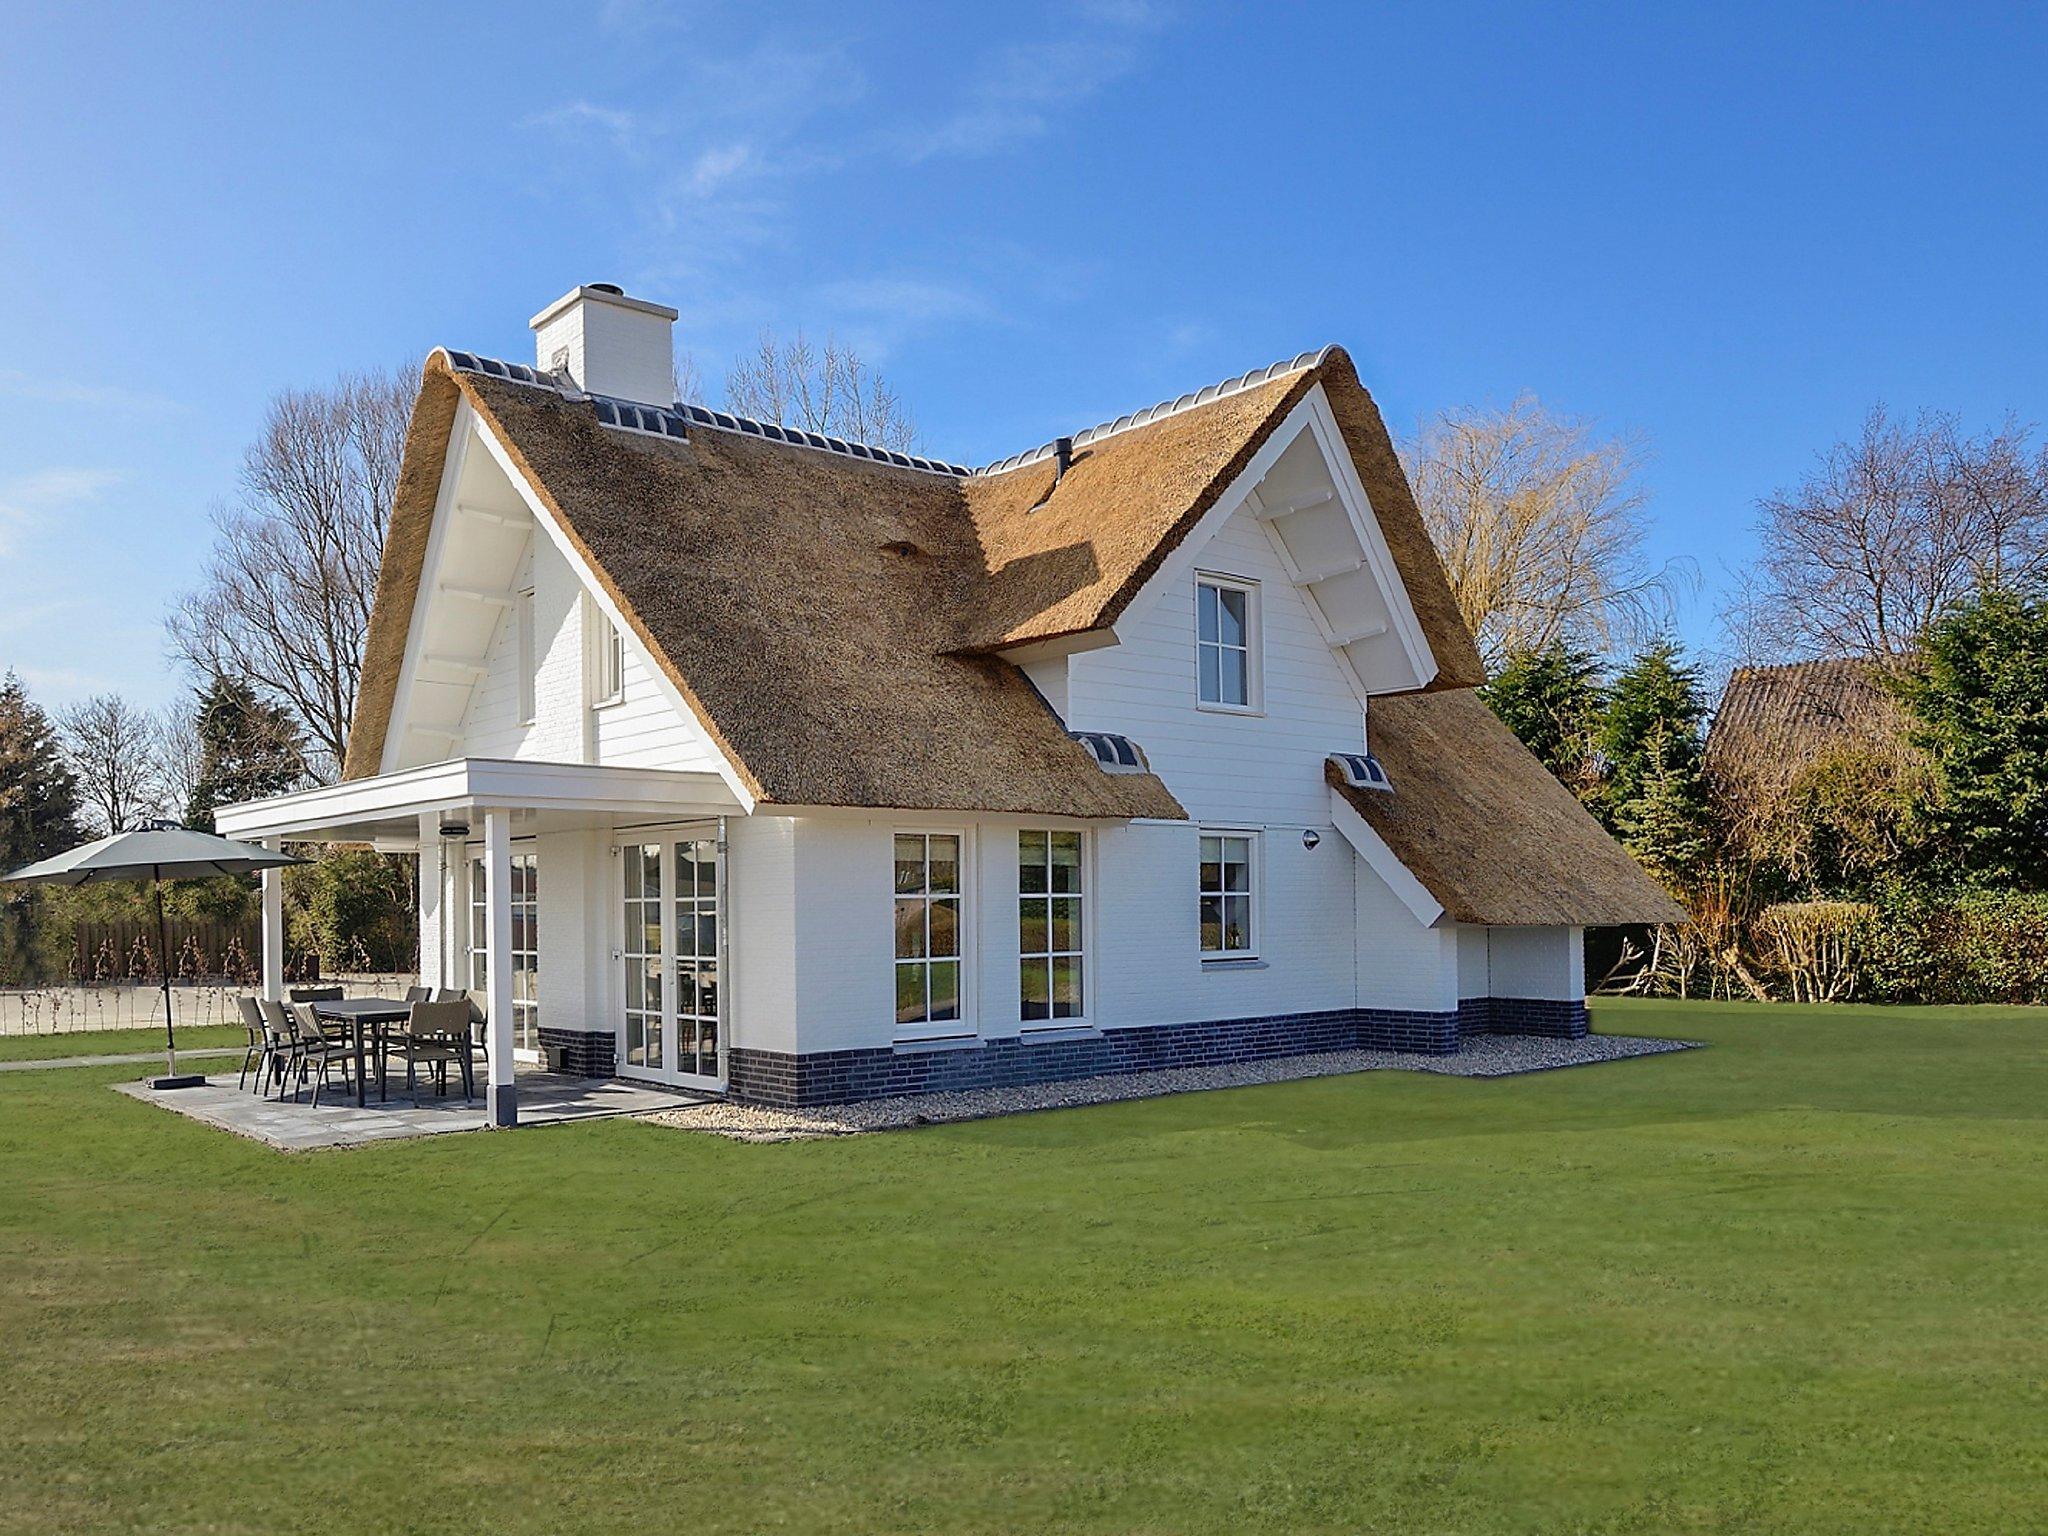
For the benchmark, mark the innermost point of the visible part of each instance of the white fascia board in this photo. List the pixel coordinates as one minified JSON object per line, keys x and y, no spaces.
{"x":545,"y":520}
{"x":1366,"y":524}
{"x":478,"y":783}
{"x":1372,"y":848}
{"x":430,"y":562}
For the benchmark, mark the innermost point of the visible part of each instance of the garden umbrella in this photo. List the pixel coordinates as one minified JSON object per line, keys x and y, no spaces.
{"x":160,"y":852}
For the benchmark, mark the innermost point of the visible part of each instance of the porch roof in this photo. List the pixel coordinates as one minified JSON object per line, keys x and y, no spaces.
{"x":386,"y":808}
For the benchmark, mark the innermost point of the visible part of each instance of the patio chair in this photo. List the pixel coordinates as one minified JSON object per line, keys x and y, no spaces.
{"x":259,"y":1042}
{"x":435,"y":1034}
{"x":419,"y":994}
{"x":281,"y":1036}
{"x":324,"y":994}
{"x":478,"y":1035}
{"x":318,"y":1051}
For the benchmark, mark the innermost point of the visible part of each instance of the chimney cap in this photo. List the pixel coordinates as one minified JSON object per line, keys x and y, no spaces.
{"x":600,"y":293}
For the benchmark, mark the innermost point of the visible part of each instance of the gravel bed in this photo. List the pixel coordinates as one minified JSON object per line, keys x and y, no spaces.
{"x":1486,"y":1056}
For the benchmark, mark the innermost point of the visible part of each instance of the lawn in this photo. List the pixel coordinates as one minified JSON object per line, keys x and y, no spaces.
{"x":117,"y":1042}
{"x":1792,"y":1283}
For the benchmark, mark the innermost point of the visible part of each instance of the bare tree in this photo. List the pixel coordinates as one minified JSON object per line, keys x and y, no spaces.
{"x":111,"y":747}
{"x":180,"y":756}
{"x":1540,"y":525}
{"x":829,"y":390}
{"x":1892,"y":526}
{"x":286,"y":598}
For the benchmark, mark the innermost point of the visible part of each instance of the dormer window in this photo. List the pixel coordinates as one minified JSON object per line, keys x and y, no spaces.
{"x":1226,"y":643}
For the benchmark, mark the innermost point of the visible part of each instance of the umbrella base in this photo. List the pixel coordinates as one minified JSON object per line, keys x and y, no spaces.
{"x":186,"y":1080}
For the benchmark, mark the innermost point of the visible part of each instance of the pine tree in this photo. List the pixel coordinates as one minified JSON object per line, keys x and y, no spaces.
{"x":1665,"y":825}
{"x":1652,"y":720}
{"x":38,"y":795}
{"x":1551,"y":699}
{"x":1978,"y":692}
{"x":249,"y":749}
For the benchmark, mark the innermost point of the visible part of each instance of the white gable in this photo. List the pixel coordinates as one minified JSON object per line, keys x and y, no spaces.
{"x":1305,"y":491}
{"x":460,"y":693}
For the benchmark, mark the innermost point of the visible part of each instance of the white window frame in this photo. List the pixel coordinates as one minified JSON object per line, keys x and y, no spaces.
{"x":1085,"y":896}
{"x":607,"y":658}
{"x":962,"y":1025}
{"x":528,"y":653}
{"x":524,"y":860}
{"x":1254,"y":661}
{"x":1254,"y":888}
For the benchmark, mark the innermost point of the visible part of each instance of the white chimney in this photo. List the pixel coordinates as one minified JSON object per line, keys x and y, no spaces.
{"x":609,"y":344}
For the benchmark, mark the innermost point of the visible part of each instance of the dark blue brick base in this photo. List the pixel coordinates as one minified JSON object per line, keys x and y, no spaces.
{"x":583,"y":1054}
{"x":839,"y":1077}
{"x":1553,"y":1018}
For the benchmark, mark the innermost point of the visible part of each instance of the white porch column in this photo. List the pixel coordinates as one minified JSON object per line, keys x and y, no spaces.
{"x":433,"y":888}
{"x":273,"y":929}
{"x":504,"y":1097}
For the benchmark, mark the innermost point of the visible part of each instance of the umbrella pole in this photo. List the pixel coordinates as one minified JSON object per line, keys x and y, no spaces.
{"x":163,"y":942}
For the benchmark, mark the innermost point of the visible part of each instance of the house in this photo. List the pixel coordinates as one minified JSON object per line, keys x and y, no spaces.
{"x":749,"y":760}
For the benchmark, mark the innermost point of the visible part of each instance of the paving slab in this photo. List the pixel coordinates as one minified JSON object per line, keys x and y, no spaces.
{"x":295,"y":1125}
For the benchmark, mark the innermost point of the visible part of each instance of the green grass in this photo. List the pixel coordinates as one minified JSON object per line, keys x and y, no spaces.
{"x":1792,"y":1283}
{"x":115,"y":1042}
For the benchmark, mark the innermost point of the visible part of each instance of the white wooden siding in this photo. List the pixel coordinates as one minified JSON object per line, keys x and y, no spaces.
{"x":641,"y":730}
{"x":1248,"y":769}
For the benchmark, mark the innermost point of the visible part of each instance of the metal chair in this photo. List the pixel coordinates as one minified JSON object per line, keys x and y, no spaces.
{"x":318,"y":1050}
{"x":281,"y":1036}
{"x":436,"y":1034}
{"x":259,"y":1041}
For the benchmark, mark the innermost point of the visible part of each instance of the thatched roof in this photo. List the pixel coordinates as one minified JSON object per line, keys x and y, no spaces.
{"x":1486,"y":828}
{"x":837,"y":628}
{"x":1071,"y":560}
{"x":1773,"y":722}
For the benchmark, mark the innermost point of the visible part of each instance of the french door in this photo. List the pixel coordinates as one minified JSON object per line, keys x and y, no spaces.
{"x":671,"y":901}
{"x":524,"y":897}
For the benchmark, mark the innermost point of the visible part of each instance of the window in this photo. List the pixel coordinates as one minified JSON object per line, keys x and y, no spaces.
{"x":928,"y":909}
{"x":607,"y":660}
{"x":522,"y":617}
{"x":524,"y":898}
{"x":1228,"y":919}
{"x":1050,"y":925}
{"x":1226,"y":613}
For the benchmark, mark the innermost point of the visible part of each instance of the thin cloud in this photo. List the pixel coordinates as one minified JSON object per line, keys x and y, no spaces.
{"x":26,"y":386}
{"x":27,"y":499}
{"x":579,"y":118}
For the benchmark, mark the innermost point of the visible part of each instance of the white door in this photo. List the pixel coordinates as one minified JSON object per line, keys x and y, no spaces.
{"x":668,"y":960}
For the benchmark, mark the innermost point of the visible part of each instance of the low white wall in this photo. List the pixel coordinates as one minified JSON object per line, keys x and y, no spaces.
{"x":1522,"y":962}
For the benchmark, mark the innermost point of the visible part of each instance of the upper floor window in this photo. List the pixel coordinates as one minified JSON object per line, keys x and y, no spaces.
{"x":1226,"y":642}
{"x":1050,"y":926}
{"x":607,"y":659}
{"x":1228,"y":896}
{"x":928,"y":928}
{"x":522,"y":618}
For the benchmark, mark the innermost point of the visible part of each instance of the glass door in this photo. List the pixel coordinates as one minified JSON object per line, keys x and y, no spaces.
{"x":525,"y":901}
{"x":669,"y":960}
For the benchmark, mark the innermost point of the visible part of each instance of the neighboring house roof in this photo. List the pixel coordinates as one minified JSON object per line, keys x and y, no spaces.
{"x":827,"y":609}
{"x":1486,"y":828}
{"x":1773,"y":722}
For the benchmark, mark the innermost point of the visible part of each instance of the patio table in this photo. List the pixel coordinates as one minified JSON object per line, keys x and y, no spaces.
{"x":359,"y":1013}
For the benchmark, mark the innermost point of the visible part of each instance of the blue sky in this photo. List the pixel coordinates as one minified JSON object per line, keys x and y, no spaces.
{"x":1727,"y":229}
